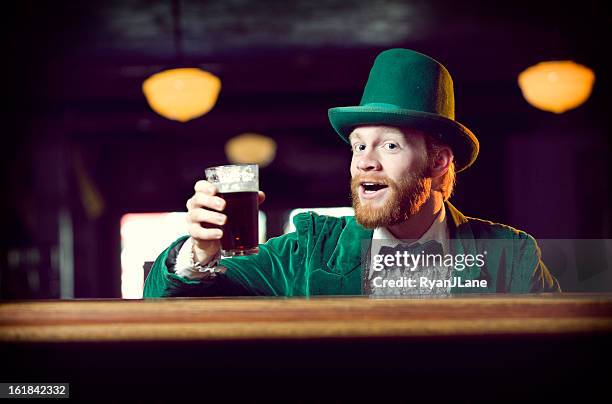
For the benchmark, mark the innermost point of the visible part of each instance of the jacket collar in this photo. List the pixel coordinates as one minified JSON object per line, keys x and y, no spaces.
{"x":458,"y":225}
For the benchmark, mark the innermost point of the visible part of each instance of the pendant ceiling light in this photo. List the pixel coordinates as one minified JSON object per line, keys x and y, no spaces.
{"x":556,"y":86}
{"x":181,"y":94}
{"x":251,"y":148}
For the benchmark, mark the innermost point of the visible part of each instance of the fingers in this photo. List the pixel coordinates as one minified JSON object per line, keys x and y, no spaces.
{"x":206,"y":201}
{"x":199,"y":215}
{"x":200,"y":233}
{"x":260,"y":197}
{"x":203,"y":218}
{"x":205,"y":207}
{"x":203,"y":215}
{"x":205,"y":187}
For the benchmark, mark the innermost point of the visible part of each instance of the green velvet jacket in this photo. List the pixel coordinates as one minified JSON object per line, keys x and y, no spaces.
{"x":323,"y":257}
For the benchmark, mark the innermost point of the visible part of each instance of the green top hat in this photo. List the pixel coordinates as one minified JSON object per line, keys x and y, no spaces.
{"x":409,"y":89}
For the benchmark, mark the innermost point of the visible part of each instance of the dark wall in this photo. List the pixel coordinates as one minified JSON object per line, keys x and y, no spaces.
{"x":76,"y":111}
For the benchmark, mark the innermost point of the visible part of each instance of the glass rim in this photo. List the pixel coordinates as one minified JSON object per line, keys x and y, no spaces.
{"x":232,"y":165}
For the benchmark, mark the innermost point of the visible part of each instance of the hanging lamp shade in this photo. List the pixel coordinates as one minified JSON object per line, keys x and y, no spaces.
{"x":182,"y":94}
{"x":556,"y":86}
{"x":251,"y":148}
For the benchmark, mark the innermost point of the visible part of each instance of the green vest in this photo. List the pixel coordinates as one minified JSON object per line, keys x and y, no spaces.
{"x":324,"y":255}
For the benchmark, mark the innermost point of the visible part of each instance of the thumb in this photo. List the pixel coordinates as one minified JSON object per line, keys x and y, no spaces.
{"x":261,"y":197}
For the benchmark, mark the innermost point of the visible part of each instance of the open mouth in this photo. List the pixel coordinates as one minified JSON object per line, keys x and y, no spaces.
{"x":371,"y":190}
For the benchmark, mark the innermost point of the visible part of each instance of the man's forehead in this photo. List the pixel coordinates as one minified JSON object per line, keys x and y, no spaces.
{"x":371,"y":130}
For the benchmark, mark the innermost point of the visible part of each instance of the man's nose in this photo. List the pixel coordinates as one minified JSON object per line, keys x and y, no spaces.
{"x":367,"y":162}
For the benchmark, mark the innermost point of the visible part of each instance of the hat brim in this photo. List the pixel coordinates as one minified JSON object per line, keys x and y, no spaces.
{"x":461,"y":140}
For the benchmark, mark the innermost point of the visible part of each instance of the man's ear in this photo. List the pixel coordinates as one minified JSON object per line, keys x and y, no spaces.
{"x":441,"y":162}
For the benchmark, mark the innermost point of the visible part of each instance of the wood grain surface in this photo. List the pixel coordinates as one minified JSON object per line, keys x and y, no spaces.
{"x":294,"y":318}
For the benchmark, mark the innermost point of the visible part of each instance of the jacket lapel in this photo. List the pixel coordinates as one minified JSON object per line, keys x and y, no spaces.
{"x":346,"y":257}
{"x":341,"y":274}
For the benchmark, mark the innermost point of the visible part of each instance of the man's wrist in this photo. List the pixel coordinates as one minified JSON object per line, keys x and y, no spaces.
{"x":206,"y":266}
{"x":186,"y":265}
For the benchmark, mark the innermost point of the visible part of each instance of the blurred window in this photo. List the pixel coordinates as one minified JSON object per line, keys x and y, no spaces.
{"x":337,"y":212}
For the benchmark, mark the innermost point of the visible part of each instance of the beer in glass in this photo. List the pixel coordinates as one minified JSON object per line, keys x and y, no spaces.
{"x":239,"y":185}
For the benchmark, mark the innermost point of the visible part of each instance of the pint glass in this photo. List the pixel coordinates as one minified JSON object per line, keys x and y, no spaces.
{"x":238,"y":185}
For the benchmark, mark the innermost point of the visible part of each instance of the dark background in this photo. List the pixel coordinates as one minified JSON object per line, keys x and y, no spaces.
{"x":75,"y":109}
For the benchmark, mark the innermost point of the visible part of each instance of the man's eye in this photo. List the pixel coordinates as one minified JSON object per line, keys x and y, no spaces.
{"x":359,"y":147}
{"x":391,"y":146}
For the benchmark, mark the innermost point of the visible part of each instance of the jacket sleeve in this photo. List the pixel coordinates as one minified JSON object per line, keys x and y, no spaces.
{"x":277,"y":270}
{"x":530,"y":273}
{"x":163,"y":282}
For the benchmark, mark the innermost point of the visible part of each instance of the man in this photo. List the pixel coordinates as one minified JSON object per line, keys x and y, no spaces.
{"x":406,"y":149}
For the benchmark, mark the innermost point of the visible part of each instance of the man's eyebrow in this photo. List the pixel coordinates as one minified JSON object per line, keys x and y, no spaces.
{"x":396,"y":135}
{"x":354,"y":135}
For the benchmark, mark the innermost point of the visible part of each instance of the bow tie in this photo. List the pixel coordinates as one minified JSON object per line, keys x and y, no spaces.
{"x":429,"y":247}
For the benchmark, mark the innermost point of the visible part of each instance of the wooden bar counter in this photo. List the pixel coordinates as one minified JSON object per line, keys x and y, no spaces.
{"x":264,"y":318}
{"x":492,"y":348}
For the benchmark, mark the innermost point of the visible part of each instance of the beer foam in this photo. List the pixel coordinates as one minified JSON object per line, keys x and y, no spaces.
{"x":234,"y":178}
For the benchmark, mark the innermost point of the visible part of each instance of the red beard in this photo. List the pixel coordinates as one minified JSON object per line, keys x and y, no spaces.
{"x":403,"y":200}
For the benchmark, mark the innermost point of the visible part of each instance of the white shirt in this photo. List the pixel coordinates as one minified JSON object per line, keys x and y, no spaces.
{"x":438,"y":231}
{"x":183,"y":267}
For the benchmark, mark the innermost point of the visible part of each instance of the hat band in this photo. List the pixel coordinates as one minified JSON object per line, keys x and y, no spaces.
{"x":382,"y":105}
